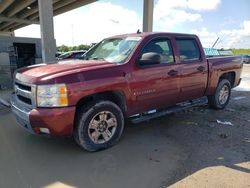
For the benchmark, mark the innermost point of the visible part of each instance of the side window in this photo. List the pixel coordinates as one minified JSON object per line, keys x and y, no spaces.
{"x":188,"y":49}
{"x":162,"y":47}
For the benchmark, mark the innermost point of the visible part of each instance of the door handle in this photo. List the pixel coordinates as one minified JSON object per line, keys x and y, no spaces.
{"x":201,"y":68}
{"x":172,"y":72}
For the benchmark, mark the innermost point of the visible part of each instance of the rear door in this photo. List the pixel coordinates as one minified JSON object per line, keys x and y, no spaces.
{"x":156,"y":86}
{"x":193,"y":68}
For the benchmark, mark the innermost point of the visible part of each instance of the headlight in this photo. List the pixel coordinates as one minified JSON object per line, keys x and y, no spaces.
{"x":52,"y":95}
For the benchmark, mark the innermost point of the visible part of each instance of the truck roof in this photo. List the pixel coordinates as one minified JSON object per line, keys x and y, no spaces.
{"x":145,"y":34}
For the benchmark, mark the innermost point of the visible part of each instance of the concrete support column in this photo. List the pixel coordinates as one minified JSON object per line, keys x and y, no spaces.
{"x":148,"y":9}
{"x":47,"y":30}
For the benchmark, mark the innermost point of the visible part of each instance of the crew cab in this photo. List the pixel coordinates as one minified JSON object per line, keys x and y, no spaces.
{"x":119,"y":77}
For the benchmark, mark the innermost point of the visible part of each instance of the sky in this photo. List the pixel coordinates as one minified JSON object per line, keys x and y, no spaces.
{"x":209,"y":19}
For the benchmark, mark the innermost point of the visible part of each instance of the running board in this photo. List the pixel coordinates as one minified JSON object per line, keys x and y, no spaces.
{"x":138,"y":118}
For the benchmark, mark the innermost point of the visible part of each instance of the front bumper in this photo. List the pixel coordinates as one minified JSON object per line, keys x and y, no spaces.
{"x":22,"y":114}
{"x":59,"y":121}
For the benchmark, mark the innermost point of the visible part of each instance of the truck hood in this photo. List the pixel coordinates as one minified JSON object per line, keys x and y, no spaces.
{"x":47,"y":71}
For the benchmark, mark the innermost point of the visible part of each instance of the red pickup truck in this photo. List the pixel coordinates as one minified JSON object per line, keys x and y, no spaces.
{"x":119,"y":77}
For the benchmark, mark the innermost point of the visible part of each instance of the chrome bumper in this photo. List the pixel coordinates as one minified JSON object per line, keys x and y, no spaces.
{"x":22,"y":114}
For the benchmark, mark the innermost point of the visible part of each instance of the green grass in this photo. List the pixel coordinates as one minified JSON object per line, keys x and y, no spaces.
{"x":241,"y":51}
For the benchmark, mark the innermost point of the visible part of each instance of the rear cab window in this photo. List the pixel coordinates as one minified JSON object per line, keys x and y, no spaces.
{"x":189,"y":50}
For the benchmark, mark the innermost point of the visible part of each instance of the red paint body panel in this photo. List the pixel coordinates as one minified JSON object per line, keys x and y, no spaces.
{"x":219,"y":66}
{"x":59,"y":121}
{"x":143,"y":88}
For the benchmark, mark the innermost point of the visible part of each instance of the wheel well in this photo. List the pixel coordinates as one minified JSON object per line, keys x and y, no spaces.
{"x":230,"y":76}
{"x":116,"y":97}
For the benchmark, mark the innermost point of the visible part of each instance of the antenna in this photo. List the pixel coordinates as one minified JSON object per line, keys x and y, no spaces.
{"x":72,"y":34}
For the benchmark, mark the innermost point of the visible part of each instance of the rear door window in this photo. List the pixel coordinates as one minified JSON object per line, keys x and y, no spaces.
{"x":188,"y":50}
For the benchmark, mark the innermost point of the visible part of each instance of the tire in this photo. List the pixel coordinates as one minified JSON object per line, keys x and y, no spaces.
{"x":99,"y":126}
{"x":217,"y":101}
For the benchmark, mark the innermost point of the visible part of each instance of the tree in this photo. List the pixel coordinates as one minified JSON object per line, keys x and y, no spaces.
{"x":64,"y":48}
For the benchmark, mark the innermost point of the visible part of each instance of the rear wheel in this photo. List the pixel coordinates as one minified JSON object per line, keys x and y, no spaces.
{"x":221,"y":96}
{"x":99,"y":126}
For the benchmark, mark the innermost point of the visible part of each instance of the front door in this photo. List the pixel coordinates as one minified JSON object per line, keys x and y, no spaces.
{"x":155,"y":86}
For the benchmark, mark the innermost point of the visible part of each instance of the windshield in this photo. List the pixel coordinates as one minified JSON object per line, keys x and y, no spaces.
{"x":115,"y":50}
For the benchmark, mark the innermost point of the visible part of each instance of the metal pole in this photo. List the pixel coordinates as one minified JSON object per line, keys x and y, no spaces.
{"x":215,"y":42}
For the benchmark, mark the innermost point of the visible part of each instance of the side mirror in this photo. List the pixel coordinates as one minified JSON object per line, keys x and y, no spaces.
{"x":150,"y":58}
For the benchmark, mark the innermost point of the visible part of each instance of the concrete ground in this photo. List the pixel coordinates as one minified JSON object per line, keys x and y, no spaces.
{"x":186,"y":149}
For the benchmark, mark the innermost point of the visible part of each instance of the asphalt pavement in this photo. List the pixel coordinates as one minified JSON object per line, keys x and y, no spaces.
{"x":186,"y":149}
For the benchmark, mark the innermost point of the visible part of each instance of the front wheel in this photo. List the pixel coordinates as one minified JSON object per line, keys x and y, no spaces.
{"x":221,"y":96}
{"x":99,"y":126}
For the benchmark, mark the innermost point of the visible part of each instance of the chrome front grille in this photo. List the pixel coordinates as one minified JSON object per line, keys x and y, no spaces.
{"x":25,"y":93}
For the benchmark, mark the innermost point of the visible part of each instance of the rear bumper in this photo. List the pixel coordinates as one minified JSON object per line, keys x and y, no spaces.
{"x":58,"y":121}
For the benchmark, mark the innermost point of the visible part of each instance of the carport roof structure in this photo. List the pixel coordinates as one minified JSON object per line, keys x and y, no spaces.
{"x":15,"y":14}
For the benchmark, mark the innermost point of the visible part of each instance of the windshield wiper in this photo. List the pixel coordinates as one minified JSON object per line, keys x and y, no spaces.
{"x":97,"y":58}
